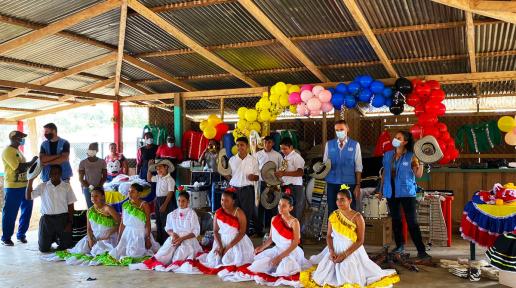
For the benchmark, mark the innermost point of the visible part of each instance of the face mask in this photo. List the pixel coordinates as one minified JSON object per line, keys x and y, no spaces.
{"x":91,"y":153}
{"x":396,"y":143}
{"x":170,"y":145}
{"x":149,"y":141}
{"x":341,"y":134}
{"x":22,"y":141}
{"x":49,"y":136}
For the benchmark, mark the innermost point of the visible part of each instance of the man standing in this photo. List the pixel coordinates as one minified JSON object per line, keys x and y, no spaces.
{"x":244,"y":171}
{"x":92,"y":172}
{"x":264,"y":156}
{"x":170,"y":151}
{"x":14,"y":187}
{"x":55,"y":151}
{"x":346,"y":165}
{"x":144,"y":154}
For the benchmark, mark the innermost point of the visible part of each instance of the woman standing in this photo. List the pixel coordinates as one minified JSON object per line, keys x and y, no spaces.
{"x":116,"y":163}
{"x":400,"y":169}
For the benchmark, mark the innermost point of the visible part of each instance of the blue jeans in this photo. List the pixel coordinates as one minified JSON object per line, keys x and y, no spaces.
{"x":14,"y":200}
{"x":87,"y":194}
{"x":331,"y":196}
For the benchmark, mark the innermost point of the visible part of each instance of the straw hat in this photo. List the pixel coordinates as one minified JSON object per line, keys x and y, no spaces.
{"x":427,"y":150}
{"x":267,"y":172}
{"x":270,"y":197}
{"x":223,"y":163}
{"x":167,"y":162}
{"x":321,"y":169}
{"x":34,"y":170}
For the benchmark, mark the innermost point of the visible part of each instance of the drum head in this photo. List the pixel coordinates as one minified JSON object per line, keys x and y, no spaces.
{"x":310,"y":190}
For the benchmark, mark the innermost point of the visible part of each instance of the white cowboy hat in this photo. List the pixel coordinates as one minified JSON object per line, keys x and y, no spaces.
{"x":427,"y":150}
{"x":268,"y":175}
{"x":167,"y":162}
{"x":270,"y":197}
{"x":321,"y":169}
{"x":34,"y":170}
{"x":223,"y":163}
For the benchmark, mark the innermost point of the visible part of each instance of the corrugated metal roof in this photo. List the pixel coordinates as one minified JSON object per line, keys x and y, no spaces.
{"x":394,"y":13}
{"x":127,"y":91}
{"x":9,"y":71}
{"x":259,"y":58}
{"x":348,"y":74}
{"x":71,"y":83}
{"x":9,"y":114}
{"x":429,"y":68}
{"x":504,"y":63}
{"x":8,"y":31}
{"x":186,"y":65}
{"x":143,"y":36}
{"x":416,"y":44}
{"x":219,"y":83}
{"x":104,"y":27}
{"x":24,"y":103}
{"x":162,"y":87}
{"x":495,"y":37}
{"x":43,"y":11}
{"x":105,"y":70}
{"x":57,"y":51}
{"x":308,"y":17}
{"x":293,"y":78}
{"x":134,"y":73}
{"x":156,"y":3}
{"x":218,"y":24}
{"x":332,"y":51}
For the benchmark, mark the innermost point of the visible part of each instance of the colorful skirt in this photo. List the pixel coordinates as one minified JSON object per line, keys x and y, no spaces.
{"x":502,"y":254}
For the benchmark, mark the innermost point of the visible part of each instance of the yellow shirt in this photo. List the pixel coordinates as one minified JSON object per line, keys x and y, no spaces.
{"x":12,"y":157}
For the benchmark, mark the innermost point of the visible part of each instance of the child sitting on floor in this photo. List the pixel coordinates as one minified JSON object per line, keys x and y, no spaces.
{"x":181,"y":248}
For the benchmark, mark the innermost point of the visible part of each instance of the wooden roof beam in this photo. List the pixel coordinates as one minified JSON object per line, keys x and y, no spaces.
{"x":59,"y":25}
{"x":56,"y":109}
{"x":189,"y":42}
{"x":188,"y":5}
{"x":470,"y":36}
{"x":282,"y":38}
{"x":507,"y":6}
{"x":470,"y":6}
{"x":121,"y":41}
{"x":90,"y":88}
{"x":18,"y":109}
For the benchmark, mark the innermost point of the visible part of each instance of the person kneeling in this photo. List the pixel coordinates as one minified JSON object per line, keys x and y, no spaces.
{"x":181,"y":248}
{"x":279,"y":265}
{"x":57,"y":209}
{"x":344,"y":262}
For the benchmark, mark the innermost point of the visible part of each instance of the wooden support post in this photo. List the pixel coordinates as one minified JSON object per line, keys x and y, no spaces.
{"x":19,"y":127}
{"x":33,"y":136}
{"x":222,"y":109}
{"x":117,"y":125}
{"x":121,"y":41}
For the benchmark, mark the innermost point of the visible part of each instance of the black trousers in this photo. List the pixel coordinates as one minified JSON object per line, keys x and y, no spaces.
{"x":161,"y":218}
{"x":298,"y":193}
{"x":264,"y":215}
{"x":409,"y":207}
{"x":52,"y":229}
{"x":245,"y":200}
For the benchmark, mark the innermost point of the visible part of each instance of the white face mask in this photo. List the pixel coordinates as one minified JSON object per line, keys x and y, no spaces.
{"x":341,"y":134}
{"x":170,"y":145}
{"x":396,"y":143}
{"x":149,"y":141}
{"x":91,"y":153}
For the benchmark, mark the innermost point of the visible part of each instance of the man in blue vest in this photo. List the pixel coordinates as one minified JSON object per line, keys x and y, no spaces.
{"x":346,"y":165}
{"x":54,"y":151}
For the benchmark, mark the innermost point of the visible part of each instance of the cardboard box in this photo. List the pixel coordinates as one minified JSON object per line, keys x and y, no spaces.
{"x":507,"y":278}
{"x":378,"y":231}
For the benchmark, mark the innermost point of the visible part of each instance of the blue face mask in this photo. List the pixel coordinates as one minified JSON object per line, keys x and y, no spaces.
{"x":396,"y":143}
{"x":341,"y":134}
{"x":22,"y":141}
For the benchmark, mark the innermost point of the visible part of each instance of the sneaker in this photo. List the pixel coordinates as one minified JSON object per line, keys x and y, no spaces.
{"x":23,"y":240}
{"x":398,"y":250}
{"x":7,"y":242}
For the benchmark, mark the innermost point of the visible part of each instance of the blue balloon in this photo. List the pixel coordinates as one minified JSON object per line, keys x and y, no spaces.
{"x":350,"y":101}
{"x":378,"y":100}
{"x":332,"y":90}
{"x":341,"y":88}
{"x":337,"y":100}
{"x":365,"y":81}
{"x":377,"y":87}
{"x":387,"y":92}
{"x":353,"y":87}
{"x":365,"y":95}
{"x":388,"y":102}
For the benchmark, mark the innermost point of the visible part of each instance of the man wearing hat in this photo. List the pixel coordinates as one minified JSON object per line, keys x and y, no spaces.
{"x":346,"y":165}
{"x":55,"y":151}
{"x":92,"y":172}
{"x":263,"y":156}
{"x":15,"y":183}
{"x":170,"y":151}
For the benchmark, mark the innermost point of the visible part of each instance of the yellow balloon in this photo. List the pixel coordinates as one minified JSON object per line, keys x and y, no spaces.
{"x":251,"y":115}
{"x":266,"y":104}
{"x":506,"y":123}
{"x":293,"y":109}
{"x":256,"y":127}
{"x":293,"y":88}
{"x":273,"y":118}
{"x":234,"y":150}
{"x":241,"y":112}
{"x":209,"y":132}
{"x":203,"y":124}
{"x":273,"y":90}
{"x":265,"y":115}
{"x":281,"y":88}
{"x":274,"y":98}
{"x":284,"y":100}
{"x":241,"y":124}
{"x":510,"y":138}
{"x":214,"y":120}
{"x":258,"y":105}
{"x":265,"y":95}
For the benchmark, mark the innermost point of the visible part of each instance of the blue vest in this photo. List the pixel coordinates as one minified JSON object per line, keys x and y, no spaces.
{"x":65,"y":166}
{"x":405,"y":181}
{"x":342,"y":162}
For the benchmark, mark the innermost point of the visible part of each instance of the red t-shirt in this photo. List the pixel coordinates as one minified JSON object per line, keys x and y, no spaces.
{"x":166,"y":152}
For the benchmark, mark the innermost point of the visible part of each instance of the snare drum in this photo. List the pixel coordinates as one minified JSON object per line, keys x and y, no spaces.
{"x":375,"y":208}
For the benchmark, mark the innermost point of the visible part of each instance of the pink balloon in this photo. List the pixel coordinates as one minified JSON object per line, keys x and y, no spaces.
{"x":306,"y":87}
{"x":325,"y":96}
{"x":326,"y":107}
{"x":306,"y":95}
{"x":313,"y":104}
{"x":315,"y":112}
{"x":302,"y":109}
{"x":317,"y":89}
{"x":294,"y":98}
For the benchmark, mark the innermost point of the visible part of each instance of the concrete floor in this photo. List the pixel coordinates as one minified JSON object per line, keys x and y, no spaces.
{"x":20,"y":266}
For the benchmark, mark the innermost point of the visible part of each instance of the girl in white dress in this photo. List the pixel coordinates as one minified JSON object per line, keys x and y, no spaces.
{"x":231,"y":248}
{"x":102,"y":234}
{"x":281,"y":264}
{"x":135,"y":243}
{"x":344,"y":262}
{"x":181,"y":248}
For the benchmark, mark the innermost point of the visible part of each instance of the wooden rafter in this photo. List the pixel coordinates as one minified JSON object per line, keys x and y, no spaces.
{"x":136,"y":86}
{"x":189,"y":42}
{"x":508,"y":6}
{"x":57,"y":109}
{"x":470,"y":36}
{"x":361,"y":21}
{"x":282,"y":38}
{"x":90,"y":88}
{"x":121,"y":41}
{"x":59,"y":25}
{"x":18,"y":109}
{"x":188,"y":5}
{"x":470,"y":6}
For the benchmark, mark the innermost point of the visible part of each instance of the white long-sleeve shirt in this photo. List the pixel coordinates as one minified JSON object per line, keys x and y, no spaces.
{"x":358,"y":153}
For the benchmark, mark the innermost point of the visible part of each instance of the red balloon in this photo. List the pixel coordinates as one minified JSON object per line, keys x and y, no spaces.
{"x":442,"y":127}
{"x":445,"y":136}
{"x":422,"y":89}
{"x":417,"y":131}
{"x":416,"y":82}
{"x":441,"y":110}
{"x":432,"y":131}
{"x":446,"y":159}
{"x":437,"y":96}
{"x":442,"y":145}
{"x":427,"y":120}
{"x":419,"y":110}
{"x":450,"y":142}
{"x":434,"y":85}
{"x":413,"y":100}
{"x":222,"y":128}
{"x":432,"y":107}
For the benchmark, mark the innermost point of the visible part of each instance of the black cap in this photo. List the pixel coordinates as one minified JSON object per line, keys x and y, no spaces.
{"x":16,"y":134}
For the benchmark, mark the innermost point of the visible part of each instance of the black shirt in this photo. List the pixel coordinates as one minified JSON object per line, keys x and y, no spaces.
{"x":53,"y":148}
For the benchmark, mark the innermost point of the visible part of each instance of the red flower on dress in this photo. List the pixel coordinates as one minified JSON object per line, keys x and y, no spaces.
{"x":181,"y":188}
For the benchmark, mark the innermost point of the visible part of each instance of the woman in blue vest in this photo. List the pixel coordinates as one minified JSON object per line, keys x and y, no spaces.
{"x":400,"y":169}
{"x":346,"y":165}
{"x":55,"y":151}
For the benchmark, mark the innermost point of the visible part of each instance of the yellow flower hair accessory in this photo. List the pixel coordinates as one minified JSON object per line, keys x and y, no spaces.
{"x":344,"y":187}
